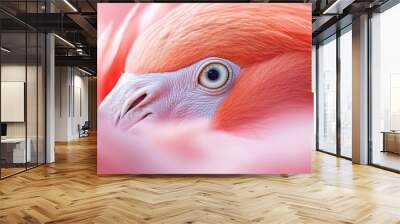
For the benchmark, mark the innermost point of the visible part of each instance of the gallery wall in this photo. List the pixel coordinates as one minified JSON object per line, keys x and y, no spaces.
{"x":16,"y":73}
{"x":71,"y":102}
{"x":204,"y":88}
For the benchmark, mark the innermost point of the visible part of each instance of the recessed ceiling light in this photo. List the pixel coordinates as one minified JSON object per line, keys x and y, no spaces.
{"x":5,"y":50}
{"x":337,"y":7}
{"x":64,"y":40}
{"x":84,"y":71}
{"x":70,"y":5}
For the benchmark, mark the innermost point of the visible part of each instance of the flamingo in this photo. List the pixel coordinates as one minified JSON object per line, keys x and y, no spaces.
{"x":212,"y":88}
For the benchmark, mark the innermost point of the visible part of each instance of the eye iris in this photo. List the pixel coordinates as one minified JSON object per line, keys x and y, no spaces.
{"x":213,"y":74}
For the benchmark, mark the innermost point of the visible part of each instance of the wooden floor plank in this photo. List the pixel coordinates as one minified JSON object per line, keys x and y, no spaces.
{"x":70,"y":191}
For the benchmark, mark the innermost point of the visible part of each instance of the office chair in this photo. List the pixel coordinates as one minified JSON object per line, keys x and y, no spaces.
{"x":84,"y":130}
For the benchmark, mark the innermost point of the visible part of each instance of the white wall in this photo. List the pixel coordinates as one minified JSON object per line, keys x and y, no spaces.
{"x":33,"y":127}
{"x":61,"y":103}
{"x":81,"y":103}
{"x":71,"y":102}
{"x":12,"y":73}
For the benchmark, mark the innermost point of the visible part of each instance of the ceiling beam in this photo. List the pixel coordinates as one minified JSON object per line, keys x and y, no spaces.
{"x":337,"y":7}
{"x":84,"y":24}
{"x":82,"y":61}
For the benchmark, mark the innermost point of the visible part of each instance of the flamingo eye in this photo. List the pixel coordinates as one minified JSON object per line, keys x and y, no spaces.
{"x":214,"y":75}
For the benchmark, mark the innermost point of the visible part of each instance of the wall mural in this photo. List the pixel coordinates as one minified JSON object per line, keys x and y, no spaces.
{"x":204,"y":88}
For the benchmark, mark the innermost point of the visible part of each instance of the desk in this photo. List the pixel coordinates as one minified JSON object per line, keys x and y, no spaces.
{"x":391,"y":141}
{"x":15,"y":148}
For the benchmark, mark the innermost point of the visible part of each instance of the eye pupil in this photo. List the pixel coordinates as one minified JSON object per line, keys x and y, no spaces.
{"x":213,"y":74}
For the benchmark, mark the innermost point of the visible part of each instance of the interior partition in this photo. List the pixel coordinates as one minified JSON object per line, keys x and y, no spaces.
{"x":22,"y":77}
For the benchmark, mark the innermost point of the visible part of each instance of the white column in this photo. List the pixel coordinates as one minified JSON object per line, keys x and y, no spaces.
{"x":50,"y":92}
{"x":360,"y":90}
{"x":50,"y":100}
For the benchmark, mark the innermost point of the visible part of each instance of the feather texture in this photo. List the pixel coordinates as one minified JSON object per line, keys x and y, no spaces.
{"x":243,"y":33}
{"x":265,"y":90}
{"x":271,"y":44}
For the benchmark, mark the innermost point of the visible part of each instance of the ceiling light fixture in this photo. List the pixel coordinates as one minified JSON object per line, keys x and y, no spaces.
{"x":5,"y":50}
{"x":65,"y":41}
{"x":337,"y":7}
{"x":84,"y":71}
{"x":70,"y":5}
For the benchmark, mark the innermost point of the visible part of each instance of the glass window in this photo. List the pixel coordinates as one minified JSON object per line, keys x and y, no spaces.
{"x":314,"y":90}
{"x":31,"y":100}
{"x":346,"y":92}
{"x":327,"y":95}
{"x":385,"y":87}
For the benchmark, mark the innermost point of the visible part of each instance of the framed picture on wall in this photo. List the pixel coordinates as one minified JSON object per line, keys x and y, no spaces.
{"x":12,"y":101}
{"x":210,"y":88}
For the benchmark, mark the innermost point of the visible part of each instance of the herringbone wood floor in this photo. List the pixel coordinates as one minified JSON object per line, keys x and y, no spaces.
{"x":70,"y":191}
